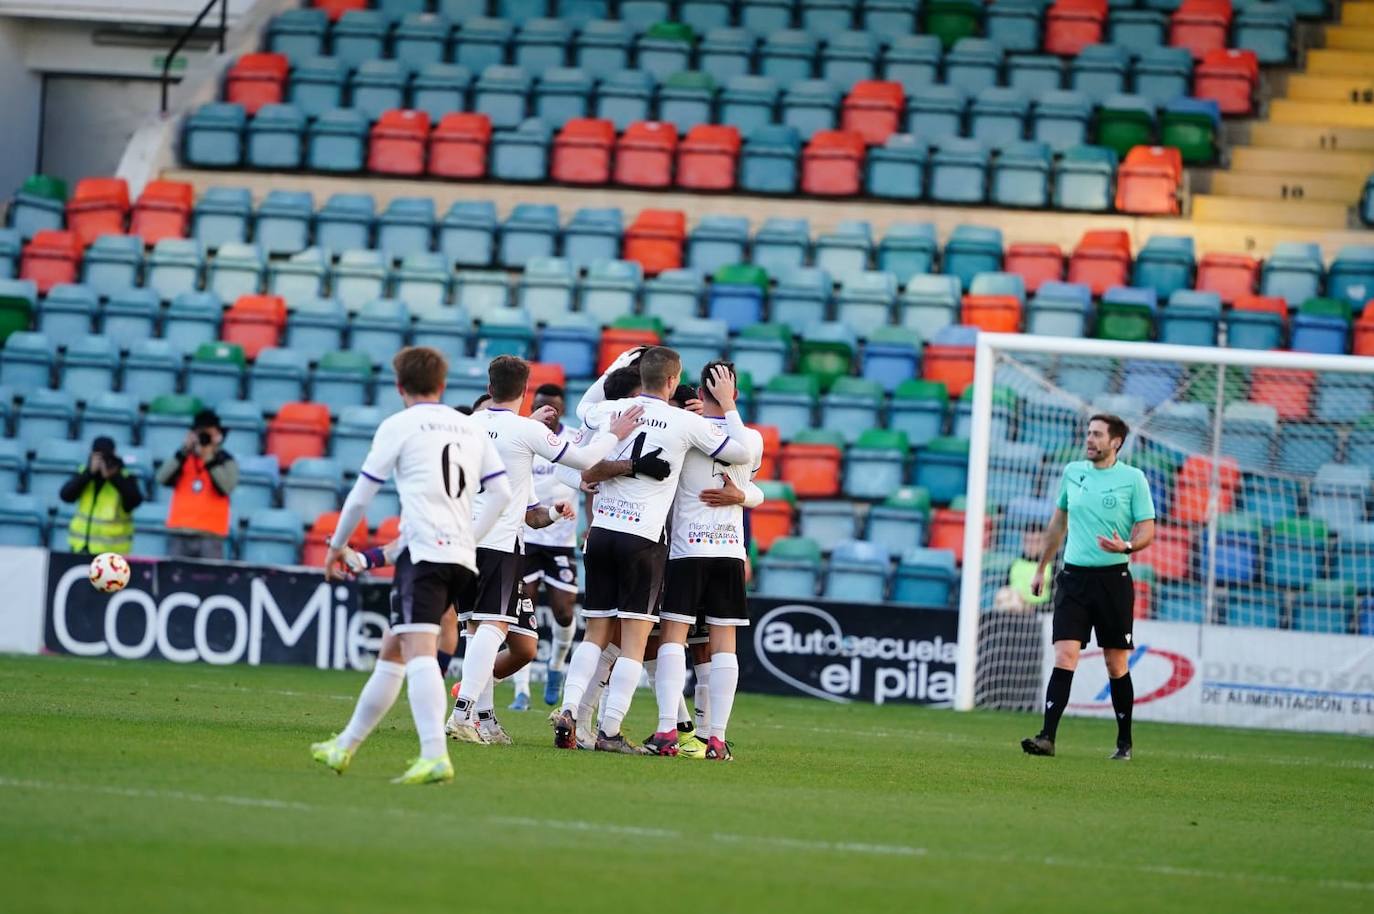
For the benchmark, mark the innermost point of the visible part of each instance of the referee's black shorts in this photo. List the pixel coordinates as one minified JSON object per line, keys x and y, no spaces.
{"x":1094,"y":598}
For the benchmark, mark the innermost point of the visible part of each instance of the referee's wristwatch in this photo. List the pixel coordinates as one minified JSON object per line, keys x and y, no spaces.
{"x":1129,"y":547}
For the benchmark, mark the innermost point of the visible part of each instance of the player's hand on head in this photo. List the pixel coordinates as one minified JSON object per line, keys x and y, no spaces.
{"x":721,"y":386}
{"x":695,"y":405}
{"x":625,"y":424}
{"x":728,"y":494}
{"x":545,"y":415}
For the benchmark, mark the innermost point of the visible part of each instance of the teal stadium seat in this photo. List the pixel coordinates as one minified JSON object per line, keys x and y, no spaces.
{"x":858,"y":572}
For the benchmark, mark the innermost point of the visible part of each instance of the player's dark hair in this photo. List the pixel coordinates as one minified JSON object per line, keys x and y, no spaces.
{"x":683,"y":393}
{"x":659,"y":366}
{"x":420,"y":370}
{"x":1116,"y":426}
{"x":622,"y":383}
{"x":550,"y":390}
{"x":465,"y":410}
{"x":477,"y":404}
{"x":706,"y":376}
{"x":507,"y":377}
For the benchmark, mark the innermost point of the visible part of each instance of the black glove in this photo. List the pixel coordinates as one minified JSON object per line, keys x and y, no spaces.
{"x":651,"y":465}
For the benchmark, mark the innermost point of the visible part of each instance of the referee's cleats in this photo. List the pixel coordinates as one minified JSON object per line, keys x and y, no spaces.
{"x":1038,"y":745}
{"x":664,"y":743}
{"x":332,"y":755}
{"x":564,"y":730}
{"x":618,"y":743}
{"x":1122,"y":754}
{"x":553,"y":687}
{"x":427,"y":771}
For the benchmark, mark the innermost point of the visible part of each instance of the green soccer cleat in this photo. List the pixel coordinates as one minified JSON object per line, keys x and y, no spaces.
{"x":427,"y":771}
{"x":689,"y":745}
{"x":330,"y":754}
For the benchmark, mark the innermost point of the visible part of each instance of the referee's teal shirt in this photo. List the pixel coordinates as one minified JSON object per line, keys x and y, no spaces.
{"x":1102,"y":502}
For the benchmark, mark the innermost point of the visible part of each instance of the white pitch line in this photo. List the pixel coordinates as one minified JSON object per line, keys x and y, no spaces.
{"x":673,"y":835}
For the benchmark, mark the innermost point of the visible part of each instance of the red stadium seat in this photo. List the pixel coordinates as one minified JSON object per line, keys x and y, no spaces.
{"x":163,"y":210}
{"x":952,"y":365}
{"x":812,"y":469}
{"x":1232,"y":276}
{"x":50,"y":257}
{"x":1143,"y":606}
{"x":1200,"y":26}
{"x":1147,"y":182}
{"x":1193,"y":491}
{"x":256,"y":80}
{"x":298,"y":430}
{"x":1170,"y":555}
{"x":832,"y":164}
{"x":947,"y":531}
{"x":872,"y":109}
{"x":255,"y":322}
{"x":1035,"y":263}
{"x":336,"y":8}
{"x":387,"y":531}
{"x":770,"y":520}
{"x":615,"y":341}
{"x":458,"y":145}
{"x":1288,"y":390}
{"x":654,"y":240}
{"x":98,"y":206}
{"x":1101,"y":260}
{"x":541,"y":373}
{"x":993,"y":313}
{"x":1072,"y":25}
{"x":397,"y":143}
{"x":1364,"y":331}
{"x":772,"y":442}
{"x":317,"y":540}
{"x":707,"y":157}
{"x":1228,"y":77}
{"x":644,"y":155}
{"x":582,"y":151}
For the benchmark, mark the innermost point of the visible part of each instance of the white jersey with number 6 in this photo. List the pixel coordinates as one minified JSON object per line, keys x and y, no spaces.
{"x":440,"y":459}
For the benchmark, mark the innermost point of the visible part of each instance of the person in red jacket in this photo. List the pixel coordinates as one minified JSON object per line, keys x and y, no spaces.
{"x":201,"y":475}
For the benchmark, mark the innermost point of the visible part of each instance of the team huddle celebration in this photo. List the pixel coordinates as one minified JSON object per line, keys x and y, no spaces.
{"x":489,"y":500}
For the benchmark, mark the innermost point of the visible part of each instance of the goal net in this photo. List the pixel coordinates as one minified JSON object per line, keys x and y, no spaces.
{"x":1259,"y":464}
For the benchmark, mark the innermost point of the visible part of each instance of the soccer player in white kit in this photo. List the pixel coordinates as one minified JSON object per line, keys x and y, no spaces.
{"x":440,"y":459}
{"x":626,"y":549}
{"x":551,"y":553}
{"x":500,"y":554}
{"x":705,"y":581}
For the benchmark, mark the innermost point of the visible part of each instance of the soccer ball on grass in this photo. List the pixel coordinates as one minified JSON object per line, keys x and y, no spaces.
{"x":109,"y":572}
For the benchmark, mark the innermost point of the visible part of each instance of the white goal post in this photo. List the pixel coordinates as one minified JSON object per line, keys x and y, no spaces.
{"x":1253,"y":467}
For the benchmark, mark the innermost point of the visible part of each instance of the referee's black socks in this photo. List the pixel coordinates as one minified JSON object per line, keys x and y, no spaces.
{"x":1056,"y":699}
{"x":1123,"y":700}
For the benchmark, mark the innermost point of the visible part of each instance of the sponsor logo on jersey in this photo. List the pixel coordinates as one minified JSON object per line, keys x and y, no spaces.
{"x":619,"y":509}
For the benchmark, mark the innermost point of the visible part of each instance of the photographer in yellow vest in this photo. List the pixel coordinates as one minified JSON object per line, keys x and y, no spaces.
{"x":105,"y":496}
{"x":201,"y":474}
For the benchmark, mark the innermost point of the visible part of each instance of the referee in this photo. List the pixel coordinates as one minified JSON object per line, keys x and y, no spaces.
{"x":1098,"y":498}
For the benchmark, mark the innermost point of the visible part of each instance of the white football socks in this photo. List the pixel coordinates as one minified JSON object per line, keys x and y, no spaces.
{"x":425,"y":687}
{"x":487,"y":700}
{"x":701,"y":695}
{"x":521,"y":679}
{"x":592,"y":697}
{"x":378,"y":695}
{"x":669,"y":679}
{"x":562,"y":643}
{"x":620,"y":693}
{"x":581,"y":669}
{"x":478,"y":662}
{"x":724,"y":680}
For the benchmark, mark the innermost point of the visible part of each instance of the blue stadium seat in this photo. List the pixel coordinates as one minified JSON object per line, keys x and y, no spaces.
{"x":717,"y":241}
{"x":439,"y":89}
{"x":130,"y":316}
{"x":345,"y":221}
{"x":1061,"y":118}
{"x":467,"y":381}
{"x":930,"y":302}
{"x":858,"y":571}
{"x":22,"y":520}
{"x":277,"y":377}
{"x":935,"y":113}
{"x":274,"y":537}
{"x":725,"y":53}
{"x":152,"y":367}
{"x":282,"y":222}
{"x":1015,"y":25}
{"x":972,"y":249}
{"x":891,"y":355}
{"x":790,"y":569}
{"x":828,"y":523}
{"x":68,"y":311}
{"x":762,"y":352}
{"x":912,"y":60}
{"x":344,"y":379}
{"x":174,"y":267}
{"x":876,"y":470}
{"x":522,"y":153}
{"x":735,"y":299}
{"x":687,"y":99}
{"x":769,"y":162}
{"x":276,"y":138}
{"x":788,"y":55}
{"x":215,"y":372}
{"x":317,"y":85}
{"x":1320,"y":333}
{"x":406,"y":226}
{"x":674,"y":294}
{"x":480,"y":293}
{"x":1037,"y":75}
{"x":1166,"y":264}
{"x":337,"y":140}
{"x":959,"y":171}
{"x":27,"y":360}
{"x":603,"y":47}
{"x":213,"y":136}
{"x":625,"y":96}
{"x":973,"y":64}
{"x":925,"y":577}
{"x":1343,"y":398}
{"x":865,"y":300}
{"x":89,"y":365}
{"x":698,"y":341}
{"x":54,"y":462}
{"x":1059,"y":309}
{"x":1137,"y":29}
{"x":561,"y":94}
{"x":942,"y":468}
{"x":352,"y":436}
{"x":259,"y":481}
{"x":611,"y":289}
{"x":1351,"y":276}
{"x":1191,"y":318}
{"x":546,"y":288}
{"x":896,"y":169}
{"x":244,"y":420}
{"x":998,"y":116}
{"x":421,"y":39}
{"x":311,"y":486}
{"x":571,"y":340}
{"x":1266,"y":29}
{"x":1085,"y":179}
{"x":593,"y":234}
{"x":1293,"y":271}
{"x":467,"y":235}
{"x":298,"y":33}
{"x":360,"y":36}
{"x":11,"y":245}
{"x":1100,"y":70}
{"x":908,"y":249}
{"x":238,"y":269}
{"x":45,"y":415}
{"x":359,"y":277}
{"x":1339,"y":494}
{"x":1021,"y":175}
{"x":379,"y":329}
{"x":300,"y":277}
{"x":531,"y":230}
{"x":852,"y":406}
{"x":112,"y":264}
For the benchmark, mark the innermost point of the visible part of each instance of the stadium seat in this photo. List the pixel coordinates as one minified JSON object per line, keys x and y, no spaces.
{"x":770,"y":160}
{"x":998,"y":116}
{"x":1229,"y":275}
{"x":89,"y":365}
{"x":925,"y":577}
{"x":907,"y":250}
{"x":1100,"y":70}
{"x":664,"y":48}
{"x":788,"y":402}
{"x":50,"y":258}
{"x":1228,"y":77}
{"x":865,"y":300}
{"x":317,"y":85}
{"x":720,"y":241}
{"x":748,"y":102}
{"x":1060,"y":119}
{"x":788,"y":55}
{"x":67,"y":312}
{"x":762,"y":351}
{"x":686,"y":100}
{"x":603,"y":47}
{"x":571,"y":340}
{"x":1296,"y":554}
{"x":611,"y":289}
{"x":298,"y":430}
{"x":440,"y":89}
{"x":273,"y":537}
{"x":644,"y":155}
{"x":522,"y":154}
{"x":936,"y":113}
{"x":1072,"y":25}
{"x":876,"y":464}
{"x":1190,"y":318}
{"x":1351,"y":276}
{"x":1085,"y":178}
{"x":1294,"y":271}
{"x":353,"y":436}
{"x":1200,"y":26}
{"x":896,"y":169}
{"x":832,"y":163}
{"x":27,"y":360}
{"x":858,"y":571}
{"x":255,"y":322}
{"x":851,"y":406}
{"x":791,"y":568}
{"x":336,"y":141}
{"x":1020,"y":175}
{"x":872,"y":109}
{"x":163,"y":210}
{"x":582,"y":152}
{"x":774,"y":517}
{"x":317,"y":538}
{"x":397,"y":143}
{"x":959,"y":171}
{"x":277,"y":377}
{"x":213,"y":135}
{"x":625,"y":333}
{"x":942,"y":468}
{"x":737,"y":294}
{"x":545,"y":289}
{"x":707,"y":158}
{"x":972,"y":249}
{"x":654,"y":240}
{"x":827,"y":523}
{"x":311,"y":486}
{"x":243,"y":419}
{"x":22,"y":521}
{"x":467,"y":234}
{"x":46,"y":415}
{"x":929,"y":303}
{"x":724,"y":52}
{"x":593,"y":234}
{"x":891,"y":355}
{"x":973,"y":64}
{"x":1036,"y":264}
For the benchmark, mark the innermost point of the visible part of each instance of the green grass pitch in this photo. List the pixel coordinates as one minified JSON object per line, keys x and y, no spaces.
{"x":147,"y":787}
